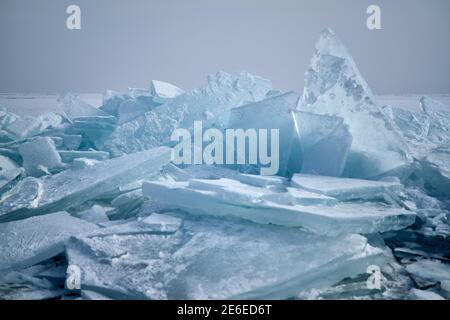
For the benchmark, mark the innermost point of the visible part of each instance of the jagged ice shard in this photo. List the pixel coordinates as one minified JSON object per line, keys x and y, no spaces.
{"x":72,"y":187}
{"x":334,"y":86}
{"x":325,"y":142}
{"x":274,"y":112}
{"x":211,"y":103}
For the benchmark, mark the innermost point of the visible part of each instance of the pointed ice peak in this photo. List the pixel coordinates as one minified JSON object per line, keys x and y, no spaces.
{"x":329,"y":43}
{"x":334,"y":86}
{"x":333,"y":73}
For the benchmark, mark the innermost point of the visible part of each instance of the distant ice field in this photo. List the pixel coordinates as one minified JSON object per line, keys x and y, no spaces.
{"x":36,"y":104}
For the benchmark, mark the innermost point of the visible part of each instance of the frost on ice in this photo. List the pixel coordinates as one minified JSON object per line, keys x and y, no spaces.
{"x":359,"y":184}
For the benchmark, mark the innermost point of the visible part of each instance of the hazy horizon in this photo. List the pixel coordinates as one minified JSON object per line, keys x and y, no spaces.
{"x":128,"y":43}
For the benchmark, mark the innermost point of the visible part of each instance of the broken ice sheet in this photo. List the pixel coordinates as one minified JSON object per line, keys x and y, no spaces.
{"x":6,"y":117}
{"x":94,"y":127}
{"x":72,"y":107}
{"x":218,"y":172}
{"x":222,"y":93}
{"x":163,"y":92}
{"x":39,"y":155}
{"x":75,"y":186}
{"x":271,"y":113}
{"x":346,"y":189}
{"x":325,"y":143}
{"x":436,"y":172}
{"x":30,"y":241}
{"x":413,"y":126}
{"x":71,"y":141}
{"x":430,"y":271}
{"x":159,"y":224}
{"x":227,"y":198}
{"x":333,"y":85}
{"x":9,"y":172}
{"x":24,"y":127}
{"x":439,"y":120}
{"x":218,"y":259}
{"x":38,"y":282}
{"x":416,"y":294}
{"x":127,"y":203}
{"x":70,"y":155}
{"x":130,"y":109}
{"x":18,"y":286}
{"x":95,"y":214}
{"x":164,"y":222}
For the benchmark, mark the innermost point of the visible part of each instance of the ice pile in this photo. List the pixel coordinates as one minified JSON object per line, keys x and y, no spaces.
{"x":90,"y":193}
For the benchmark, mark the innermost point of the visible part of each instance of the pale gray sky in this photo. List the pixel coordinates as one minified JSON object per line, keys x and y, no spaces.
{"x":126,"y":43}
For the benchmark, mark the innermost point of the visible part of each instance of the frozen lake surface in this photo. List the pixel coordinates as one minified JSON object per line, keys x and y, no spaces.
{"x":34,"y":104}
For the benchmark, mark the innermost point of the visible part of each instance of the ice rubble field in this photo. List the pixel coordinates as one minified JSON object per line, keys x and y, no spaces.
{"x":363,"y":181}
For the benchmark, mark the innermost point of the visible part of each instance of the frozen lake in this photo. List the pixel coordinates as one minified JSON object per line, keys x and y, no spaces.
{"x":35,"y":104}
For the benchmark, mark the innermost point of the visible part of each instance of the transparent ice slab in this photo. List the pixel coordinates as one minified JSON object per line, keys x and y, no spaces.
{"x":345,"y":189}
{"x":274,"y":112}
{"x":218,"y":259}
{"x":325,"y":143}
{"x":30,"y":241}
{"x":74,"y":186}
{"x":222,"y":93}
{"x":72,"y":107}
{"x":39,"y":155}
{"x":225,"y":198}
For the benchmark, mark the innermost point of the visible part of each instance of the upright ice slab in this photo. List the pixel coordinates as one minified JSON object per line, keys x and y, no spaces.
{"x":9,"y":172}
{"x":439,"y":120}
{"x":75,"y":186}
{"x":435,"y":171}
{"x":333,"y":85}
{"x":30,"y":241}
{"x":218,"y":259}
{"x":211,"y":102}
{"x":274,"y":112}
{"x":325,"y":143}
{"x":39,"y":156}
